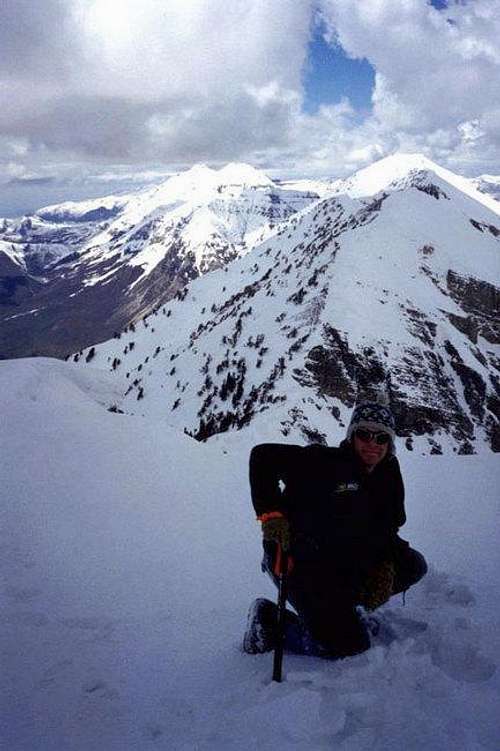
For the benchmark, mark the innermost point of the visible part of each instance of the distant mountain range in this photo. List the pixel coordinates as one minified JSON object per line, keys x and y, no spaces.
{"x":388,"y":282}
{"x":489,"y":184}
{"x":73,"y":274}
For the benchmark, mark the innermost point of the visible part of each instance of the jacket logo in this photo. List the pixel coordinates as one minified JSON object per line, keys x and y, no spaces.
{"x":347,"y":487}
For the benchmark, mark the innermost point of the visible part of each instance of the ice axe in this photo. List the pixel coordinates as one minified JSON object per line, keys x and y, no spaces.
{"x":280,"y":629}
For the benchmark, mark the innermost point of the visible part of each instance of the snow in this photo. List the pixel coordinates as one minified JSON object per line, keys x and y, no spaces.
{"x":394,"y":264}
{"x":489,"y":184}
{"x":74,"y":210}
{"x":215,"y":214}
{"x":130,"y":555}
{"x":372,"y":276}
{"x":209,"y":213}
{"x":21,"y":315}
{"x":383,"y":173}
{"x":13,"y":254}
{"x":495,"y":179}
{"x":322,"y":188}
{"x":243,"y":174}
{"x":171,"y":202}
{"x":200,"y":183}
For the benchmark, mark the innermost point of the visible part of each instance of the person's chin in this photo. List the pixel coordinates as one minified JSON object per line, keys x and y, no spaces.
{"x":372,"y":459}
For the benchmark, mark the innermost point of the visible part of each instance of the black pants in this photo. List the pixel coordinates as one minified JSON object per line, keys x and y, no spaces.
{"x":411,"y":566}
{"x":326,"y":600}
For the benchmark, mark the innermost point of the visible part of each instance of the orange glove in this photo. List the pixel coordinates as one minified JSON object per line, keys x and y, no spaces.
{"x":275,"y":528}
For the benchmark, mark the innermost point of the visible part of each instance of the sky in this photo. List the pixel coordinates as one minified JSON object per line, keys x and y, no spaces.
{"x":94,"y":101}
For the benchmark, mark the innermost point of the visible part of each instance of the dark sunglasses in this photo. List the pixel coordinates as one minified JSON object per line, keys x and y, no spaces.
{"x":369,"y":435}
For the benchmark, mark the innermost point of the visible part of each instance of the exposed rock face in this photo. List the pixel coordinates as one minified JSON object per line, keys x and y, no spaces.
{"x":17,"y":286}
{"x":468,"y":325}
{"x":336,"y":370}
{"x":481,"y":301}
{"x":421,"y":181}
{"x":492,"y":423}
{"x":70,"y":312}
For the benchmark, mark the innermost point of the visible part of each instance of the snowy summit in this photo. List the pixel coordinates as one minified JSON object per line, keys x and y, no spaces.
{"x":397,"y":169}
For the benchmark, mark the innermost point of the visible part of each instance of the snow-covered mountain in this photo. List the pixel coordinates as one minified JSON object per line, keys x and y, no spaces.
{"x":396,"y":171}
{"x":397,"y":290}
{"x":74,"y":273}
{"x":489,"y":184}
{"x":322,"y":188}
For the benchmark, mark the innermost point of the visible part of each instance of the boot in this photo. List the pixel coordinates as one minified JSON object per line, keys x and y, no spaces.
{"x":260,"y":634}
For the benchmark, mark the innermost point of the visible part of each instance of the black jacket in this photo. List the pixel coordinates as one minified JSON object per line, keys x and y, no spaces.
{"x":338,"y":513}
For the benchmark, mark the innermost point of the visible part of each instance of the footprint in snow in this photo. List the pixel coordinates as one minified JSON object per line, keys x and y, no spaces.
{"x":391,"y":626}
{"x":460,"y":659}
{"x":438,"y":586}
{"x":451,"y":639}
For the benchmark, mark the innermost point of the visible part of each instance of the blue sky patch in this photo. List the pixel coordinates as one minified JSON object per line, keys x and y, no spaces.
{"x":331,"y":75}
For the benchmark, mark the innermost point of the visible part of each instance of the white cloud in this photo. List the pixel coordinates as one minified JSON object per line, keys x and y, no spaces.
{"x":437,"y":72}
{"x":14,"y":170}
{"x":89,"y":84}
{"x":148,"y":79}
{"x":14,"y":147}
{"x":191,"y":48}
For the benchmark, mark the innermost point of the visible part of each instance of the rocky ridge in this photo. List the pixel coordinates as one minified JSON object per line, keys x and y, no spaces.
{"x":395,"y":291}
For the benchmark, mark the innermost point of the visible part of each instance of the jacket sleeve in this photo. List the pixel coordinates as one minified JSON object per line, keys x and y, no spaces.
{"x":385,"y":537}
{"x":271,"y":463}
{"x":399,"y":514}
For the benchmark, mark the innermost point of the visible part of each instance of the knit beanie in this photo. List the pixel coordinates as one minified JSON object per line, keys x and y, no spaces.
{"x":373,"y":415}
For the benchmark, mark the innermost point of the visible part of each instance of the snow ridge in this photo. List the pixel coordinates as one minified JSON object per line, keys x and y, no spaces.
{"x":346,"y":293}
{"x":399,"y":167}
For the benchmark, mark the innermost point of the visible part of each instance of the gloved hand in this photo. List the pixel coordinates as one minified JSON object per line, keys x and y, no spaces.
{"x":275,"y":528}
{"x":378,"y":586}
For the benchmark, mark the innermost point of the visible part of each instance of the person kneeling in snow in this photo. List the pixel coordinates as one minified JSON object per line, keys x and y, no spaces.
{"x":338,"y":516}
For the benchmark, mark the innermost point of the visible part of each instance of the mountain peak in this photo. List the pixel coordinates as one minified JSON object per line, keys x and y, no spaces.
{"x":402,"y":161}
{"x":202,"y":181}
{"x":381,"y":174}
{"x":239,"y":173}
{"x":199,"y":169}
{"x":199,"y":175}
{"x":390,"y":170}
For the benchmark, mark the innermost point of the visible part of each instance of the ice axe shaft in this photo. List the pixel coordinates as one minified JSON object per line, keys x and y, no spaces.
{"x":280,"y":631}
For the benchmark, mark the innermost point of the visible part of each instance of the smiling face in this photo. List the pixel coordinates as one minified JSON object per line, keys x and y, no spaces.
{"x":370,"y":452}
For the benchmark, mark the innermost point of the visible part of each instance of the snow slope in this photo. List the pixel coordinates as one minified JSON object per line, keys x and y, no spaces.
{"x":391,"y":170}
{"x":129,"y":558}
{"x":399,"y":288}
